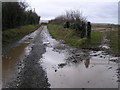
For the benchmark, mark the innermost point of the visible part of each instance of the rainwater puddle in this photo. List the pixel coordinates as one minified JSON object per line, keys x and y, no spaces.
{"x":94,"y":72}
{"x":12,"y":62}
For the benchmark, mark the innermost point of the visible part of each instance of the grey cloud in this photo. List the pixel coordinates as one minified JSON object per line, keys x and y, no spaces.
{"x":95,"y":11}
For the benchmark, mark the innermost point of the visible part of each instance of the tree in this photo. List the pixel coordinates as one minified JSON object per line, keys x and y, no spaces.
{"x":72,"y":19}
{"x":14,"y":14}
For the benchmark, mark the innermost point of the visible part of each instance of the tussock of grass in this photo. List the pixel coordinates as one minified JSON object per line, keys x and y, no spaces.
{"x":12,"y":35}
{"x":72,"y":38}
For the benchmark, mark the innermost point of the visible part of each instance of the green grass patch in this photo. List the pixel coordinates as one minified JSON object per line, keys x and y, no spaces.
{"x":72,"y":37}
{"x":94,"y":42}
{"x":113,"y":36}
{"x":96,"y":38}
{"x":12,"y":35}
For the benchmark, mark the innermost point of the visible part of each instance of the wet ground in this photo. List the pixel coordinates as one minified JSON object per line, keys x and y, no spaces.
{"x":71,"y":68}
{"x":39,"y":61}
{"x":20,"y":66}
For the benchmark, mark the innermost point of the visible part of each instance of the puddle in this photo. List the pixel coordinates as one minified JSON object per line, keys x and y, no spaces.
{"x":12,"y":62}
{"x":97,"y":71}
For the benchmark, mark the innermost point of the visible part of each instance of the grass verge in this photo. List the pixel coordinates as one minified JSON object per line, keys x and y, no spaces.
{"x":12,"y":35}
{"x":113,"y":35}
{"x":72,"y":38}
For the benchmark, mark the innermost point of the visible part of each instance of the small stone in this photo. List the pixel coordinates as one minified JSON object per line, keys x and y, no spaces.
{"x":17,"y":85}
{"x":95,"y":55}
{"x":109,"y":67}
{"x":118,"y":80}
{"x":20,"y":64}
{"x":75,"y":61}
{"x":118,"y":69}
{"x":62,"y":65}
{"x":100,"y":56}
{"x":55,"y":70}
{"x":30,"y":38}
{"x":18,"y":67}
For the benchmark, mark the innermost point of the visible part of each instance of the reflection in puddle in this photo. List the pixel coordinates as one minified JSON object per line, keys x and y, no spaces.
{"x":90,"y":73}
{"x":87,"y":63}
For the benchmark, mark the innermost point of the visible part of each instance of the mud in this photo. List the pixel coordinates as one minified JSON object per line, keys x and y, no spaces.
{"x":39,"y":61}
{"x":9,"y":62}
{"x":68,"y":67}
{"x":20,"y":65}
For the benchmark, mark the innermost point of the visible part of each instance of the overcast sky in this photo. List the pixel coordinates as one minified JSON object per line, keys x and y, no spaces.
{"x":97,"y":11}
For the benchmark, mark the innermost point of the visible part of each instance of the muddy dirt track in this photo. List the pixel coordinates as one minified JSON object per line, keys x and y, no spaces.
{"x":20,"y":66}
{"x":39,"y":61}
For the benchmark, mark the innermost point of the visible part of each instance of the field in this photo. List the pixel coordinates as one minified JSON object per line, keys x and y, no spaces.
{"x":111,"y":33}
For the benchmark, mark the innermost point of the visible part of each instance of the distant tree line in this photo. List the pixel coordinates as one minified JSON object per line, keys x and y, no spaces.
{"x":14,"y":14}
{"x":75,"y":20}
